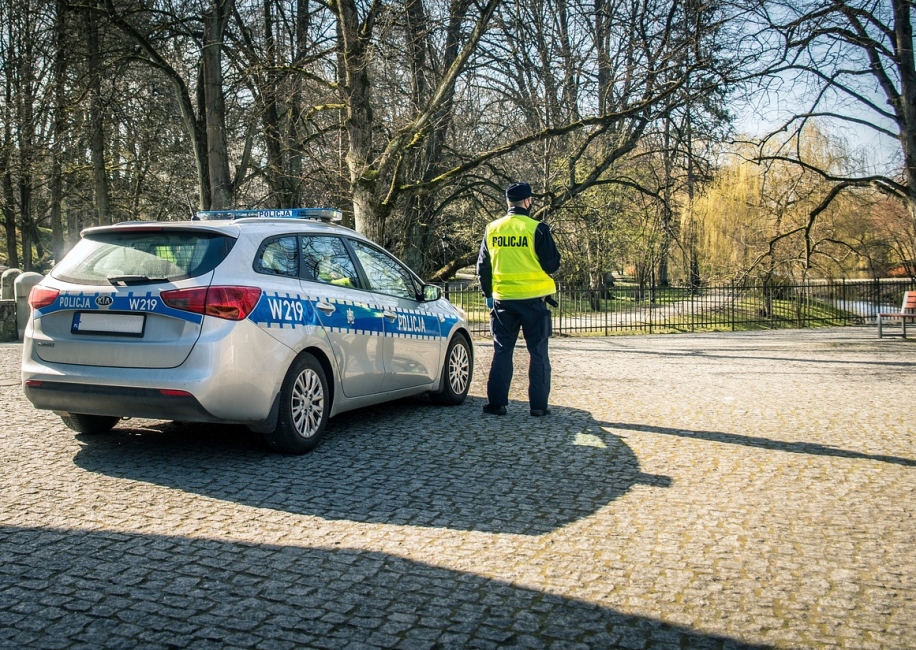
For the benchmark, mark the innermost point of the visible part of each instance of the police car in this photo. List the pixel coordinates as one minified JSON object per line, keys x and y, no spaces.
{"x":275,"y":319}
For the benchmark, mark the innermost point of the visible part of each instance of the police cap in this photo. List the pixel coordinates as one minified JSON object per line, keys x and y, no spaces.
{"x":518,"y":192}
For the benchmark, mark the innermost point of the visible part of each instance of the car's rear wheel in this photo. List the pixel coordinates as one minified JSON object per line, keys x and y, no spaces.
{"x":82,"y":423}
{"x":304,"y":408}
{"x":456,"y":373}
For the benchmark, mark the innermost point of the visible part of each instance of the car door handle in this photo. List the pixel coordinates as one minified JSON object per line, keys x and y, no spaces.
{"x":326,"y":307}
{"x":390,"y":315}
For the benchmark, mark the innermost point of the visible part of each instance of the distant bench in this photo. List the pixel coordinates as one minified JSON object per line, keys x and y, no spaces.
{"x":907,"y":312}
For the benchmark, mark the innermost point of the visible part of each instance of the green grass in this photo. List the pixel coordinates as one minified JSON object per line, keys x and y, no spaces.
{"x":710,"y":313}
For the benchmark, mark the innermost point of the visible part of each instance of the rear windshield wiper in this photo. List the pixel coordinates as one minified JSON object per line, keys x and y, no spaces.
{"x":133,"y":279}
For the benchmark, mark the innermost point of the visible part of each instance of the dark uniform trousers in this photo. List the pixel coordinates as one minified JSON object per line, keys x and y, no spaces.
{"x":533,"y":318}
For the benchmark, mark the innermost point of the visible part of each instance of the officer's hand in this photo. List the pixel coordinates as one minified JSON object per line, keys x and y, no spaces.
{"x":489,"y":303}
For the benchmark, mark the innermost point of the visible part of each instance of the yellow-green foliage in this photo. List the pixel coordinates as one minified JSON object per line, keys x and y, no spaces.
{"x":757,"y":216}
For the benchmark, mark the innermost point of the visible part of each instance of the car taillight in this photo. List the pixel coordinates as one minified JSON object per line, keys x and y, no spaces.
{"x":231,"y":303}
{"x":40,"y":297}
{"x":194,"y":300}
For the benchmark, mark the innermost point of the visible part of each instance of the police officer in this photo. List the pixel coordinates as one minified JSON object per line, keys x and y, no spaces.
{"x":516,"y":256}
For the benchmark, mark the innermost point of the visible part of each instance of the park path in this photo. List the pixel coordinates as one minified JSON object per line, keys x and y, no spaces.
{"x":688,"y":491}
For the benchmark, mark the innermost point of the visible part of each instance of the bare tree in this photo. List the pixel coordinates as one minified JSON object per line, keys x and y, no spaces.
{"x":25,"y":29}
{"x":411,"y":115}
{"x":376,"y":171}
{"x":658,"y":79}
{"x":855,"y":61}
{"x":205,"y":30}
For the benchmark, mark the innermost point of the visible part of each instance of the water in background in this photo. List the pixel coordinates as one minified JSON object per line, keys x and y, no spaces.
{"x":864,"y":307}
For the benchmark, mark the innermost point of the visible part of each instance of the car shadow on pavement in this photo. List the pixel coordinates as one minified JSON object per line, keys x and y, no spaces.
{"x":112,"y":589}
{"x":404,"y":463}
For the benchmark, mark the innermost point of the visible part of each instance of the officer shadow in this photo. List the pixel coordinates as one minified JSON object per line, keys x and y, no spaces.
{"x":403,"y":463}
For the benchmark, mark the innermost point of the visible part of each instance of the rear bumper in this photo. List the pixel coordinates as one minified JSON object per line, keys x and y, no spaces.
{"x":120,"y":401}
{"x":230,"y":379}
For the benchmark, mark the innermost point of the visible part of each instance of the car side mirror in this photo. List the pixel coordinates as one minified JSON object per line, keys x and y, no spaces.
{"x":431,"y":293}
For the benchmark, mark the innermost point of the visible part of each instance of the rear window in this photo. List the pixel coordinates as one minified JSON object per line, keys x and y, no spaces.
{"x":141,"y":257}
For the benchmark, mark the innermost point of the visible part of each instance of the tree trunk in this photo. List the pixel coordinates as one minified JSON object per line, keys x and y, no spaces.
{"x":297,"y":100}
{"x":598,"y":264}
{"x":25,"y":207}
{"x":9,"y":200}
{"x":667,"y":212}
{"x":602,"y":35}
{"x":354,"y":63}
{"x":270,"y":119}
{"x":97,"y":129}
{"x":24,"y":97}
{"x":9,"y":219}
{"x":903,"y":31}
{"x":215,"y":104}
{"x":369,"y":219}
{"x":60,"y":129}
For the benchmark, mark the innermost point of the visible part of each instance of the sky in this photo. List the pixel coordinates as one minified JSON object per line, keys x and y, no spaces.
{"x":767,"y":109}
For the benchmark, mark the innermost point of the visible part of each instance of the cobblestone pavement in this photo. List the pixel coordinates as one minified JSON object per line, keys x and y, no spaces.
{"x":688,"y":491}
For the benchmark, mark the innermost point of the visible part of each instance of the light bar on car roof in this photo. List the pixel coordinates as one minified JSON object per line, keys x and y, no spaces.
{"x":322,"y":214}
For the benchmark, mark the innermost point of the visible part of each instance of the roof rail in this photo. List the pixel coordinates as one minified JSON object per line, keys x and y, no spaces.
{"x":321,"y":214}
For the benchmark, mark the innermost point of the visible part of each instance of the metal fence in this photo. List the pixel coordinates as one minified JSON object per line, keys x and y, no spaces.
{"x":630,"y":309}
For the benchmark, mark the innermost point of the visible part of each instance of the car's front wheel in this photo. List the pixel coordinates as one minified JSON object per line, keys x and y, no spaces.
{"x":82,"y":423}
{"x":304,"y":408}
{"x":456,"y":373}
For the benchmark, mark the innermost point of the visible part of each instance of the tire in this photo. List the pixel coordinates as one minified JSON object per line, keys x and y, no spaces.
{"x":82,"y":423}
{"x":456,"y":373}
{"x":304,"y":408}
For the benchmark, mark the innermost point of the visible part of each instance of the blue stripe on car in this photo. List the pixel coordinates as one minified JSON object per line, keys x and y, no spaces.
{"x":276,"y":310}
{"x":140,"y":303}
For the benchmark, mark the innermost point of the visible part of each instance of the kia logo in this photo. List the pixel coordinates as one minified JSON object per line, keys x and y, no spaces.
{"x":103,"y":301}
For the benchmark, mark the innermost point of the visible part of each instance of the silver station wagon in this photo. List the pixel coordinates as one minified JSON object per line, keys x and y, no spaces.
{"x":274,"y":319}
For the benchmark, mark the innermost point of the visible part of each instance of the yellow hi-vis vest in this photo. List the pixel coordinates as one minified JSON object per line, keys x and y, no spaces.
{"x":517,"y":274}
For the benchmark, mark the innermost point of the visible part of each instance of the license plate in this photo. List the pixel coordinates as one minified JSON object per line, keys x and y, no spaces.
{"x":107,"y":323}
